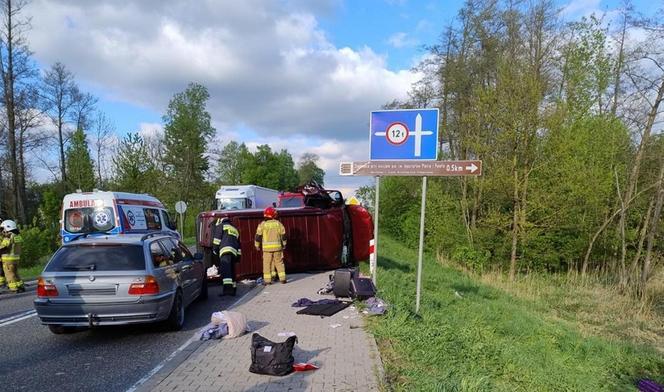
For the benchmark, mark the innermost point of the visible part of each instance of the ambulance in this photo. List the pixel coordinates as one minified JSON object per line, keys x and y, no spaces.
{"x":101,"y":212}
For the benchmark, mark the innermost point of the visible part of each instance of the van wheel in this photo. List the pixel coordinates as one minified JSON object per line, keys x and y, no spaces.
{"x":204,"y":289}
{"x":175,"y":319}
{"x":60,"y":329}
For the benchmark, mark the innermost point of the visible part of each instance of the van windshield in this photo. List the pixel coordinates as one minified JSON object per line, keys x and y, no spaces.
{"x":294,"y":201}
{"x":89,"y":220}
{"x":231,"y":204}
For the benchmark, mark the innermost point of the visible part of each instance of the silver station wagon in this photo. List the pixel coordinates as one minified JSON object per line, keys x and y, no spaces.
{"x":119,"y":279}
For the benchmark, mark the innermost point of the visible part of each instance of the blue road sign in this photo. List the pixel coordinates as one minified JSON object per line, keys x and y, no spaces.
{"x":404,"y":134}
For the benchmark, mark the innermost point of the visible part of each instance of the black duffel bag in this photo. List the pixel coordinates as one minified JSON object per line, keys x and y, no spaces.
{"x":268,"y":357}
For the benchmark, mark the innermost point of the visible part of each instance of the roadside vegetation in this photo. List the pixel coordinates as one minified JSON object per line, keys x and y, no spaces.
{"x":487,"y":333}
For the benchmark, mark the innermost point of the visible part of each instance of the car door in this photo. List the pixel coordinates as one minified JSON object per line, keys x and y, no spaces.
{"x":184,"y":266}
{"x":198,"y":268}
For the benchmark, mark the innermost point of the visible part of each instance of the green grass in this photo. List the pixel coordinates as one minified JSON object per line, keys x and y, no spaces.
{"x":484,"y":339}
{"x":33,"y":272}
{"x":189,"y":241}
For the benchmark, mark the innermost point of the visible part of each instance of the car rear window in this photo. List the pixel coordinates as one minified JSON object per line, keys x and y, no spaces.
{"x":97,"y":258}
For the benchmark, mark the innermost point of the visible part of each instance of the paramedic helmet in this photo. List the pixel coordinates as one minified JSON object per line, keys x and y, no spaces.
{"x":8,"y":225}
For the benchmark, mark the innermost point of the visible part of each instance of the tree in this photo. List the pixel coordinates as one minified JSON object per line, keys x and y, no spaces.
{"x":133,"y":167}
{"x":58,"y":91}
{"x":102,"y":128}
{"x":186,"y":133}
{"x":269,"y":169}
{"x":308,"y":169}
{"x":16,"y":71}
{"x":232,"y":161}
{"x":80,"y":168}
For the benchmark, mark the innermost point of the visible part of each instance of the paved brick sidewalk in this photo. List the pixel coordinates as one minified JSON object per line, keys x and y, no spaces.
{"x":347,"y":355}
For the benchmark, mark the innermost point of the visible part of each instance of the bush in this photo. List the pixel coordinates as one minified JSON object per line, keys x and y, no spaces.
{"x":37,"y":243}
{"x":472,"y":258}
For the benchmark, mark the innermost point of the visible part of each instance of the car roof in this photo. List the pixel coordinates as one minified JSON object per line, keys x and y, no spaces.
{"x":119,"y":239}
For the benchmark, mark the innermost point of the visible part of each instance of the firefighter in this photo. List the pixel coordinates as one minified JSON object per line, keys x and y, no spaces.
{"x":271,"y":239}
{"x":11,"y":247}
{"x":226,"y":249}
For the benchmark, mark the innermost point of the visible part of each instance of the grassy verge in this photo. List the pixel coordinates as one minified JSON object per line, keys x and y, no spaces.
{"x":189,"y":241}
{"x":473,"y":336}
{"x":32,"y":272}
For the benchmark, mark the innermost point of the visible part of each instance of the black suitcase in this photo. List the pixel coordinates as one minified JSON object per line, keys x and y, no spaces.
{"x":362,"y":288}
{"x":342,"y":282}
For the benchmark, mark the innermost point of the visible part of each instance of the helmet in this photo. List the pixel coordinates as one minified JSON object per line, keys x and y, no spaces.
{"x":270,"y":212}
{"x":8,"y":225}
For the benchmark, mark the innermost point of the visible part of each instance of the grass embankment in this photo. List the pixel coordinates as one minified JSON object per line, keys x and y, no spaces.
{"x":475,"y":337}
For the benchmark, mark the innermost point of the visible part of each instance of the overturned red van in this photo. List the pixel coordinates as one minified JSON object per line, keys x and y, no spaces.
{"x":324,"y":234}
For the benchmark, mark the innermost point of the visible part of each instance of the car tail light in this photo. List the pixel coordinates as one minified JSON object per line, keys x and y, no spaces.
{"x":46,"y":289}
{"x":147,"y":286}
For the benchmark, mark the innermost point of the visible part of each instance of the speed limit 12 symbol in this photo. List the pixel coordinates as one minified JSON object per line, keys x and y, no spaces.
{"x":397,"y":133}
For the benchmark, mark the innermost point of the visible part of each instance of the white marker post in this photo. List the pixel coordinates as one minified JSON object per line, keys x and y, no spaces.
{"x":421,"y":251}
{"x":375,"y":245}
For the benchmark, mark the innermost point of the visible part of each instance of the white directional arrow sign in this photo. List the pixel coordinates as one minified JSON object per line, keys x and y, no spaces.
{"x":472,"y":168}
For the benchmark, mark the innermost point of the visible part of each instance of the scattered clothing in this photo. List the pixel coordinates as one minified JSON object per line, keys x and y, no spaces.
{"x":302,"y":302}
{"x":329,"y":288}
{"x":214,"y":331}
{"x":376,"y":306}
{"x":324,"y":309}
{"x":301,"y":367}
{"x":649,"y":386}
{"x":286,"y":334}
{"x":236,"y":322}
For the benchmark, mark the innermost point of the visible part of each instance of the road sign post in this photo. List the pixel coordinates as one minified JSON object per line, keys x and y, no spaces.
{"x":421,"y":250}
{"x":405,"y":143}
{"x":180,"y":208}
{"x":375,"y":249}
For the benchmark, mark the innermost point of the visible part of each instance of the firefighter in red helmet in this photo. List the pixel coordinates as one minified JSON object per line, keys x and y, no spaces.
{"x":271,"y":240}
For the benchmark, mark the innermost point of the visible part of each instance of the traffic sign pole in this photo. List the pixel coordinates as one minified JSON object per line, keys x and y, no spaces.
{"x":421,"y":251}
{"x":374,"y":272}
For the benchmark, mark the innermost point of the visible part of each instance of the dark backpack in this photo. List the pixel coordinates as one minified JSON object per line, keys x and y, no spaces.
{"x":268,"y":357}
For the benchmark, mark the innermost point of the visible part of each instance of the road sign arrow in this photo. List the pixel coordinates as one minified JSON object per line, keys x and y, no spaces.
{"x":472,"y":168}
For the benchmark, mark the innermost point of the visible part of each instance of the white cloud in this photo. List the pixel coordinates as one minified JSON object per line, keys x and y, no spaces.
{"x":267,"y":65}
{"x":401,"y":40}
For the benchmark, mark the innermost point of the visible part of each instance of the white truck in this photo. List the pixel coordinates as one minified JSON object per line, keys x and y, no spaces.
{"x":241,"y":197}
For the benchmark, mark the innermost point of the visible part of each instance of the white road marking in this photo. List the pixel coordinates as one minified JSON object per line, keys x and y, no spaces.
{"x":174,"y":353}
{"x":17,"y":317}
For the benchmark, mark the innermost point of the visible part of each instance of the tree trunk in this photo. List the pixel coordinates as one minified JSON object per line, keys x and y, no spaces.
{"x":63,"y":170}
{"x":642,"y":239}
{"x":621,"y":58}
{"x":604,"y":225}
{"x":645,"y":272}
{"x":515,"y":222}
{"x":634,"y":174}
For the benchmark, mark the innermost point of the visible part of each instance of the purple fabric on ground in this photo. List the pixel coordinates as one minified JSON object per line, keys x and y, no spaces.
{"x":649,"y":386}
{"x":376,"y":306}
{"x":302,"y":302}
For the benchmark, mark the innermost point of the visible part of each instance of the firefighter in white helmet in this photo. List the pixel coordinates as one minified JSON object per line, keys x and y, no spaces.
{"x":11,"y":248}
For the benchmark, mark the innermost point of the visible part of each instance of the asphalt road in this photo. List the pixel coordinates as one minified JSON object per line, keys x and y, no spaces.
{"x":101,"y":359}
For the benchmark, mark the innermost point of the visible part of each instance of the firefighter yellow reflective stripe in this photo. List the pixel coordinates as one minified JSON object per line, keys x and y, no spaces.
{"x":3,"y":281}
{"x":231,"y":230}
{"x":216,"y":241}
{"x":272,"y":246}
{"x":10,"y":258}
{"x":228,"y":249}
{"x":15,"y":285}
{"x":227,"y":281}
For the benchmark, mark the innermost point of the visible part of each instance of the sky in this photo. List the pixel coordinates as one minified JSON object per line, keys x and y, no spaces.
{"x":296,"y":74}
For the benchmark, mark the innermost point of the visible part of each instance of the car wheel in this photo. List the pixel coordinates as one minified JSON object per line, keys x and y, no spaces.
{"x":60,"y":329}
{"x":204,"y":289}
{"x":175,"y":319}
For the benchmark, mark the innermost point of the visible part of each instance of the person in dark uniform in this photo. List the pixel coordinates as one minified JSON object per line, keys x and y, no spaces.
{"x":226,"y":251}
